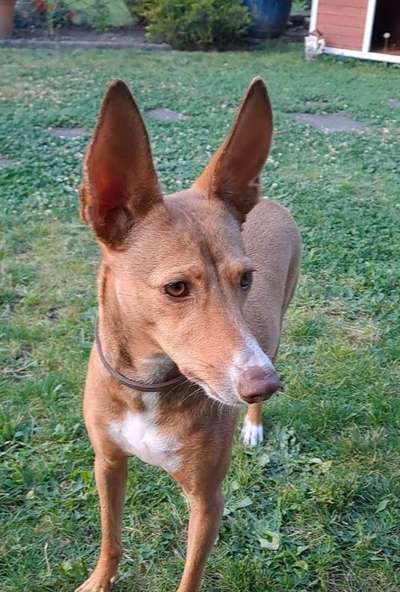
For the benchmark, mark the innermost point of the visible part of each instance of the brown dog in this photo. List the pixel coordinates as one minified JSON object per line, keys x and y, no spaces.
{"x":177,"y":346}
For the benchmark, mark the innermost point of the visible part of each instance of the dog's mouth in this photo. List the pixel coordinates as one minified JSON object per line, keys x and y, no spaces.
{"x":222,"y":399}
{"x":228,"y":396}
{"x":218,"y":395}
{"x":252,"y":385}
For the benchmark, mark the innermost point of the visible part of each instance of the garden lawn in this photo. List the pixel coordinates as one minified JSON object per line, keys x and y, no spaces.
{"x":316,"y":507}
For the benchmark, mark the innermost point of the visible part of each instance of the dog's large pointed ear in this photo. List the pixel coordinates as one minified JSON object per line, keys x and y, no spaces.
{"x":233,"y":172}
{"x":119,"y":180}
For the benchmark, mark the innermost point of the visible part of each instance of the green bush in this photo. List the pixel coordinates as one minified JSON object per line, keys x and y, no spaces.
{"x":56,"y":14}
{"x":197,"y":24}
{"x":140,"y":8}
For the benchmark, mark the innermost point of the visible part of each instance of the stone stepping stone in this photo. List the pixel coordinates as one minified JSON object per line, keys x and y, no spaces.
{"x":164,"y":114}
{"x":6,"y":163}
{"x":67,"y":133}
{"x":394,"y":103}
{"x":331,"y":122}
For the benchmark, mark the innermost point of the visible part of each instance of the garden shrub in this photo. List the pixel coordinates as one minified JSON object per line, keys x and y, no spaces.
{"x":197,"y":24}
{"x":56,"y":14}
{"x":140,"y":8}
{"x":42,"y":14}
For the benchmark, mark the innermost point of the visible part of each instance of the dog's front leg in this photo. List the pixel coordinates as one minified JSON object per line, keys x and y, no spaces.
{"x":110,"y":480}
{"x":205,"y":514}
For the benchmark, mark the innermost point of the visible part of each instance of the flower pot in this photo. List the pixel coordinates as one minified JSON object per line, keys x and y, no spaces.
{"x":7,"y":9}
{"x":269,"y":16}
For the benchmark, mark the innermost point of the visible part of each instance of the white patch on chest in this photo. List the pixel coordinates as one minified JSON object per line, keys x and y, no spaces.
{"x":136,"y":434}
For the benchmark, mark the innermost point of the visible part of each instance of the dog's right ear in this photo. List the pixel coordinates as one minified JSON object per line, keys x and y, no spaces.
{"x":119,"y":180}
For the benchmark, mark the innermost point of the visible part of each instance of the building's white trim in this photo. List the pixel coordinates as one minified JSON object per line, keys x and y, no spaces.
{"x":364,"y":55}
{"x":369,"y":25}
{"x":314,"y":15}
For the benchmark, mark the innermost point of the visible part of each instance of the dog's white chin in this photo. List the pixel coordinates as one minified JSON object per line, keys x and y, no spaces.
{"x":223,"y":398}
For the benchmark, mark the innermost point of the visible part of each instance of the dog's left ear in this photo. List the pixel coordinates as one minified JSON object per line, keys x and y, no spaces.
{"x":119,"y":182}
{"x":233,"y":172}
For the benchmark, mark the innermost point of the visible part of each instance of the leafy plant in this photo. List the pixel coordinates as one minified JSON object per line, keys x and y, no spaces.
{"x":99,"y":15}
{"x":51,"y":14}
{"x":302,"y":5}
{"x":56,"y":14}
{"x":198,"y":24}
{"x":140,"y":8}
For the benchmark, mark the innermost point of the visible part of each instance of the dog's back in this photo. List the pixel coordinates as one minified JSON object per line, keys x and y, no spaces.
{"x":272,"y":242}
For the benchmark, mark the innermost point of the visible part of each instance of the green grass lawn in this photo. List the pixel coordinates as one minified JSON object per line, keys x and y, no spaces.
{"x":317,"y":506}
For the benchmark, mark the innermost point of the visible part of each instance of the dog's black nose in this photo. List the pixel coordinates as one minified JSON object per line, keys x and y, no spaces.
{"x":257,"y":384}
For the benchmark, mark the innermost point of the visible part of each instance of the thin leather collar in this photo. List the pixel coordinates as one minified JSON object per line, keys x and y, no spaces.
{"x":143,"y":387}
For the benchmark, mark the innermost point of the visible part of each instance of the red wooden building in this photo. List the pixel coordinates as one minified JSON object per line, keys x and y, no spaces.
{"x":368,"y":29}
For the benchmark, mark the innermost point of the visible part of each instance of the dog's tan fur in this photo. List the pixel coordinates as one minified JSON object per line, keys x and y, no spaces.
{"x":148,"y":242}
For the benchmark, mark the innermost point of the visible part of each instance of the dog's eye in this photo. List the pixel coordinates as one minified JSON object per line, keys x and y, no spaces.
{"x":246,"y":280}
{"x":177,"y":289}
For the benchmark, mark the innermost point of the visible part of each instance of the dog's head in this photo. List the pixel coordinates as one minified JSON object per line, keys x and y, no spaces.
{"x":177,"y":272}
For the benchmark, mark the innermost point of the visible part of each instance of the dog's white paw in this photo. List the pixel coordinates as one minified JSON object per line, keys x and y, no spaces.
{"x":97,"y":583}
{"x":252,"y":433}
